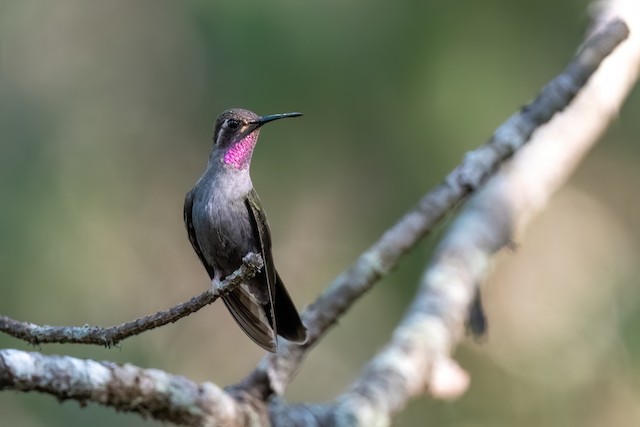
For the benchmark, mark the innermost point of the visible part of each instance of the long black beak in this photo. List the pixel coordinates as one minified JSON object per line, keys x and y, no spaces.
{"x":266,"y":119}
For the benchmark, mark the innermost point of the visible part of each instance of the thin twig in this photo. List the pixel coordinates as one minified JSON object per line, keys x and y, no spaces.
{"x":40,"y":334}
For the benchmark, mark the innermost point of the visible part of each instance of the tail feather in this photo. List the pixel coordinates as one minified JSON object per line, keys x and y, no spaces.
{"x":288,"y":321}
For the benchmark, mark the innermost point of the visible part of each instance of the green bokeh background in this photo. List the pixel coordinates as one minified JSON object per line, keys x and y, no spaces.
{"x":106,"y":115}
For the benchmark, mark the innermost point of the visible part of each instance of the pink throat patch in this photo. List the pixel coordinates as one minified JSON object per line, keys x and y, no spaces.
{"x":239,"y":154}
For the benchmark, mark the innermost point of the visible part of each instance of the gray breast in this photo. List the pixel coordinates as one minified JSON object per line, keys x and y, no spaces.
{"x":223,"y":226}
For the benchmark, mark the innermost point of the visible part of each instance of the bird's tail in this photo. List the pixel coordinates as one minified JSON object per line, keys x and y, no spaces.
{"x":288,"y":321}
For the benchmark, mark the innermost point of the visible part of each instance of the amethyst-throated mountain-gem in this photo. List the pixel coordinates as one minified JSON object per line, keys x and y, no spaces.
{"x":225,"y":221}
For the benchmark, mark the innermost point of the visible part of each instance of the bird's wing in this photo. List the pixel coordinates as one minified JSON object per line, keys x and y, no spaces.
{"x":283,"y":315}
{"x":263,"y":237}
{"x":188,"y":222}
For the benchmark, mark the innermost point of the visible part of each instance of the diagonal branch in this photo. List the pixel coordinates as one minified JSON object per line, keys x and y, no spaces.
{"x":417,"y":359}
{"x":36,"y":334}
{"x":275,"y":371}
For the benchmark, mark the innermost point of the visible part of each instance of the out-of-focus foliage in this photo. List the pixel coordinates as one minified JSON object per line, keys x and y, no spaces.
{"x":106,"y":112}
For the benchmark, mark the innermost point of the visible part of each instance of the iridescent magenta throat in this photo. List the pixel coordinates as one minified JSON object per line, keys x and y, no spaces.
{"x":239,"y":154}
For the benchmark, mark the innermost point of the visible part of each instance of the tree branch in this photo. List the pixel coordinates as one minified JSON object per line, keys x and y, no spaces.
{"x":148,"y":392}
{"x":275,"y":371}
{"x":36,"y":334}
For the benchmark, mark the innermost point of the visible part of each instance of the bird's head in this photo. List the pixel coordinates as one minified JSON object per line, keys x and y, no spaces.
{"x":236,"y":133}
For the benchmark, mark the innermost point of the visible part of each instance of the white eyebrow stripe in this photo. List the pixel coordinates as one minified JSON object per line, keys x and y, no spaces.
{"x":220,"y":128}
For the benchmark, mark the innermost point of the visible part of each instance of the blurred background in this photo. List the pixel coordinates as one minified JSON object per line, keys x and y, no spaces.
{"x":106,"y":116}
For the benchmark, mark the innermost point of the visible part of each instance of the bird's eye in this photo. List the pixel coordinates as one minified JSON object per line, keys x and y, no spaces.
{"x":233,"y":124}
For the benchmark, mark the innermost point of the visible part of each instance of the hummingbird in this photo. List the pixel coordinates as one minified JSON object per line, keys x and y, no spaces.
{"x":225,"y":221}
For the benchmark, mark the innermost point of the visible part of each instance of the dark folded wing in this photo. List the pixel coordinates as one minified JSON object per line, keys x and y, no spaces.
{"x":262,"y":236}
{"x":284,"y":316}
